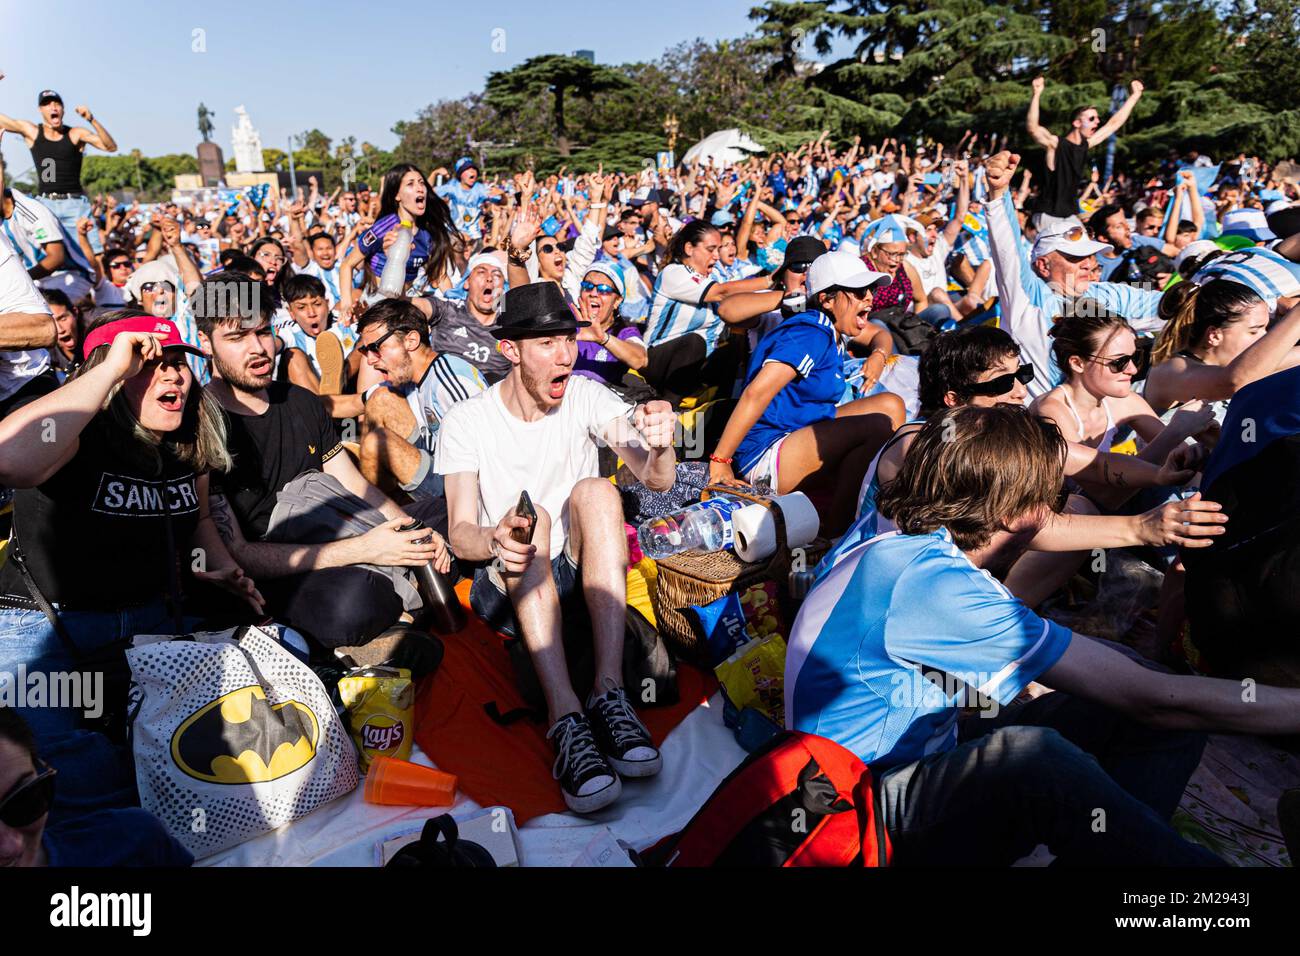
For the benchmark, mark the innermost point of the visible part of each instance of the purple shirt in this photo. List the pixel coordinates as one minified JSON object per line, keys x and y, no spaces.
{"x":599,"y":364}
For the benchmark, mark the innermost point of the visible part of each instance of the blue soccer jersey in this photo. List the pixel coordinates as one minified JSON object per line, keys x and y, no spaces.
{"x":466,"y":205}
{"x":809,"y":344}
{"x":900,"y":634}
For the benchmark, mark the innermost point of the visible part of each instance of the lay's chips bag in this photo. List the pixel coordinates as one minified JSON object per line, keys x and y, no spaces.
{"x":381,"y":708}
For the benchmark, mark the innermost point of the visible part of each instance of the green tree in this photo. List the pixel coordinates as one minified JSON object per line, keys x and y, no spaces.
{"x":559,"y":75}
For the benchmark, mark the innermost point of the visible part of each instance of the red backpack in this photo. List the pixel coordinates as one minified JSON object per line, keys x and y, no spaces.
{"x":799,"y":800}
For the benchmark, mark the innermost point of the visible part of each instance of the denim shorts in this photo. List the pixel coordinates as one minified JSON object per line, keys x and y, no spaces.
{"x":489,"y":600}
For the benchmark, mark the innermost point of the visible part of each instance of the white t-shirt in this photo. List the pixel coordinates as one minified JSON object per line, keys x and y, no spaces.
{"x":546,"y":457}
{"x":933,"y":268}
{"x":19,"y":294}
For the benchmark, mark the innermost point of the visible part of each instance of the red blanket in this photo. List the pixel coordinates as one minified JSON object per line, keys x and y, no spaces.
{"x":508,"y":765}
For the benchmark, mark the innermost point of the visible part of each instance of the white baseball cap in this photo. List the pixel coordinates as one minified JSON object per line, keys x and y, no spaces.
{"x":1067,"y":235}
{"x":1192,"y":250}
{"x":842,"y":269}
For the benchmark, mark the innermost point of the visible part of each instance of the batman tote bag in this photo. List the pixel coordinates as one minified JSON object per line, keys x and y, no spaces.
{"x":233,"y":736}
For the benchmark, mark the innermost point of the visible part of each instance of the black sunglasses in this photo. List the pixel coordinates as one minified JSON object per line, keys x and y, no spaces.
{"x":29,"y":801}
{"x":1003,"y":383}
{"x":373,"y":347}
{"x":1120,"y":362}
{"x":799,"y":267}
{"x":546,"y":250}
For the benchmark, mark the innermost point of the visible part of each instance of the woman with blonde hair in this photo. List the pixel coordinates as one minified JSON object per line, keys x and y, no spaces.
{"x":110,"y":470}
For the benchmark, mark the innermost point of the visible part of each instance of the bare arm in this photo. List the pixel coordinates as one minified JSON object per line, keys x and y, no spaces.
{"x":953,"y":230}
{"x":1042,"y":136}
{"x":1092,"y":670}
{"x":758,"y":394}
{"x":1120,"y":116}
{"x":100,"y":138}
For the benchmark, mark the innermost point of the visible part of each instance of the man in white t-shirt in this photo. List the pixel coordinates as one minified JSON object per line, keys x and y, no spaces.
{"x":927,"y":252}
{"x":537,"y":431}
{"x":26,"y":330}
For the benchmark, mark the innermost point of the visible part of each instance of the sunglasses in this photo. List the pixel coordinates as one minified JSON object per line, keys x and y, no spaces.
{"x":1003,"y":383}
{"x":373,"y":347}
{"x":29,"y":801}
{"x":547,"y":249}
{"x":1073,"y":234}
{"x":121,"y":264}
{"x":1120,"y":362}
{"x":155,"y":287}
{"x":799,"y":267}
{"x":603,"y":289}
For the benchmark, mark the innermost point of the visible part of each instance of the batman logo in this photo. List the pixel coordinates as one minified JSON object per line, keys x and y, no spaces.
{"x":241,"y":738}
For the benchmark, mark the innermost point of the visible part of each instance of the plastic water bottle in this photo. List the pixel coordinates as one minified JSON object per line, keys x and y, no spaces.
{"x":392,"y":281}
{"x":700,"y":527}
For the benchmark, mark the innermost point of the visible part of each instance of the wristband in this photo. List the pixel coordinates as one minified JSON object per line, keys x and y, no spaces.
{"x":721,"y":461}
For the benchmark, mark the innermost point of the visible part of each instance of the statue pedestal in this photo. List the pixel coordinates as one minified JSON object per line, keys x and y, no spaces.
{"x":212,"y":167}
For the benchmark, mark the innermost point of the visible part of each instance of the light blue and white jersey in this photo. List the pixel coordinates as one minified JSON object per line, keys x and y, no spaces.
{"x":328,"y":277}
{"x":678,"y":308}
{"x":1269,"y":275}
{"x":293,"y":336}
{"x":448,"y":379}
{"x":739,"y":269}
{"x":902,"y":633}
{"x":466,"y":205}
{"x":183,"y":318}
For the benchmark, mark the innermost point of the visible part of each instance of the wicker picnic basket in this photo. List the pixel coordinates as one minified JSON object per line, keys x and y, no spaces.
{"x":695,"y":578}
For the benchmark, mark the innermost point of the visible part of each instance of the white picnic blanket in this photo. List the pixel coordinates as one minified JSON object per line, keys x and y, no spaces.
{"x":698,"y":753}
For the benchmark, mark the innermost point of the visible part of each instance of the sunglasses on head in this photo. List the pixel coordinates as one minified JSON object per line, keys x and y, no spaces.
{"x":373,"y":347}
{"x":29,"y":801}
{"x":1003,"y":383}
{"x":1073,"y":234}
{"x":603,"y":288}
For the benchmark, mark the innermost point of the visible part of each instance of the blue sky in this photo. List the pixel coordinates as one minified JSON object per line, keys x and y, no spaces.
{"x":344,"y":68}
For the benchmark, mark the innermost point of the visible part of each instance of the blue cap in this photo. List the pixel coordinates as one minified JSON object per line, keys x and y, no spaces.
{"x":722,"y":218}
{"x":464,"y":163}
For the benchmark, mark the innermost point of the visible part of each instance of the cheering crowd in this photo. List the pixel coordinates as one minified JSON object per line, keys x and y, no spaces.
{"x":980,"y":377}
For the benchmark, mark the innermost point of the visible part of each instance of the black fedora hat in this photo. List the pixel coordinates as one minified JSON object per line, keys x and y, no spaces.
{"x":533,"y":310}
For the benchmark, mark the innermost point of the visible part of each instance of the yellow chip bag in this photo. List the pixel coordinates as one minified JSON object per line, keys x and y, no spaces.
{"x":754,"y":676}
{"x":381,"y":708}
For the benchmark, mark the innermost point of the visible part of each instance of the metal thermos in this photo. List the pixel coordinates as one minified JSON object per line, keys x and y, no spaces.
{"x":446,"y":616}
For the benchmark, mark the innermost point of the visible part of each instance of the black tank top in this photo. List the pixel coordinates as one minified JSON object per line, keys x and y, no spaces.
{"x":1060,"y":195}
{"x":57,"y":161}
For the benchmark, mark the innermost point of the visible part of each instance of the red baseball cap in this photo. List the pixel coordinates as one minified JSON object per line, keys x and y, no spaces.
{"x":105,"y":334}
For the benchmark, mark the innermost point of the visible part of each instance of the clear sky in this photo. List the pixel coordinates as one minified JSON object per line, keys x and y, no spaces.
{"x":344,"y":68}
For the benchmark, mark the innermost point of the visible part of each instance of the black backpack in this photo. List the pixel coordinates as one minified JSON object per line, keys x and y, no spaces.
{"x":451,"y":850}
{"x":912,"y":334}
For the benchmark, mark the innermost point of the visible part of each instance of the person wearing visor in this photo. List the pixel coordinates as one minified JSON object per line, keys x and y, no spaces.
{"x":57,"y":154}
{"x":1034,"y":288}
{"x":788,"y":430}
{"x":609,"y":347}
{"x":116,"y":460}
{"x":981,"y":366}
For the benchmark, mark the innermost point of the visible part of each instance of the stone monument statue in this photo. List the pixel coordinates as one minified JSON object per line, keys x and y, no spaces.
{"x":205,"y":123}
{"x":247,"y":144}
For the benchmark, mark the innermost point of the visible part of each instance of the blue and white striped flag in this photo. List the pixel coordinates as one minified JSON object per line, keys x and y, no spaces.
{"x":1267,"y":274}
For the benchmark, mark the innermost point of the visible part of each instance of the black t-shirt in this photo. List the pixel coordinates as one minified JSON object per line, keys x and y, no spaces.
{"x":294,"y":435}
{"x":1060,"y":195}
{"x":453,"y":331}
{"x":96,"y":533}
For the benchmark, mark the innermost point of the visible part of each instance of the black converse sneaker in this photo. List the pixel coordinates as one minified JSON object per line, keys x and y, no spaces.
{"x":586,"y":778}
{"x":620,"y":734}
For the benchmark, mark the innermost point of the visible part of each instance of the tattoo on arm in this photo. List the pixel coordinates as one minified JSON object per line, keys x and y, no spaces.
{"x":221,"y":517}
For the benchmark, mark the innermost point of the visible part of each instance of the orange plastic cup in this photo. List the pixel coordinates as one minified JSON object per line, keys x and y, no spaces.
{"x":400,"y":783}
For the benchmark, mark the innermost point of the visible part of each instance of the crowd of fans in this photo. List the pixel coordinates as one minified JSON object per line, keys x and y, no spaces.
{"x":978,"y":377}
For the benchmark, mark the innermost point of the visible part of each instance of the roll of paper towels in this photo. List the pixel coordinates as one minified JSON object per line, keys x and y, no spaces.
{"x":755,"y":526}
